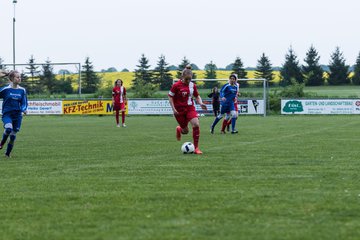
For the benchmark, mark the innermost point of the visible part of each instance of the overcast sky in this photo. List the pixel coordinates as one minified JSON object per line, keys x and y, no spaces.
{"x":114,"y":33}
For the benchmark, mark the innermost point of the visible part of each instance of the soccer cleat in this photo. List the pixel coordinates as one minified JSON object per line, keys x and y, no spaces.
{"x":1,"y":147}
{"x":7,"y":156}
{"x":212,"y":130}
{"x":118,"y":125}
{"x":222,"y":132}
{"x":178,"y":133}
{"x":197,"y":151}
{"x":123,"y":125}
{"x":234,"y":132}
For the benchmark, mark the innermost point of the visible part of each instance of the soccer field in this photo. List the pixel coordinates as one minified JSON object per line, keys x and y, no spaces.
{"x":281,"y":177}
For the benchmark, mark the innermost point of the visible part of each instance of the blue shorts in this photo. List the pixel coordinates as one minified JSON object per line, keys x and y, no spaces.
{"x":14,"y":118}
{"x":227,"y":108}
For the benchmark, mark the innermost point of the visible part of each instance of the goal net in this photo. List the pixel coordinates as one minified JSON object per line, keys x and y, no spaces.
{"x":41,"y":79}
{"x":253,"y":99}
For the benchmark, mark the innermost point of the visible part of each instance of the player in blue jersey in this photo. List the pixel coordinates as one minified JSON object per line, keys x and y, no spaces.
{"x":228,"y":93}
{"x":14,"y":105}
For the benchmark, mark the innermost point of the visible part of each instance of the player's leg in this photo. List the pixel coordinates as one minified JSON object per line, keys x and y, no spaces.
{"x":123,"y":114}
{"x":216,"y":120}
{"x":228,"y":126}
{"x":182,"y":128}
{"x":233,"y":122}
{"x":8,"y":127}
{"x":223,"y":110}
{"x":215,"y":110}
{"x":16,"y":120}
{"x":11,"y":143}
{"x":117,"y":117}
{"x":196,"y":134}
{"x":116,"y":109}
{"x":235,"y":115}
{"x":225,"y":123}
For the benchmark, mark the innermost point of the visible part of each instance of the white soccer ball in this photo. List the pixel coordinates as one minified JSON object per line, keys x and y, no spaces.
{"x":188,"y":147}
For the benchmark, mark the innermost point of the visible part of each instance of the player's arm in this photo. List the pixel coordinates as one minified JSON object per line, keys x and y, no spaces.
{"x":199,"y":99}
{"x":171,"y":101}
{"x":222,"y":93}
{"x":113,"y":96}
{"x":124,"y":95}
{"x":200,"y":102}
{"x":171,"y":95}
{"x":24,"y":103}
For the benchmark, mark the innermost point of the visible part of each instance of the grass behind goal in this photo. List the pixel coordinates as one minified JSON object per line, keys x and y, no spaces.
{"x":281,"y":177}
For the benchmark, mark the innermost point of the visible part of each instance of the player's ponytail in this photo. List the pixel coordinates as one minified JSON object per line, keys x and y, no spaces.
{"x":3,"y":73}
{"x":10,"y":75}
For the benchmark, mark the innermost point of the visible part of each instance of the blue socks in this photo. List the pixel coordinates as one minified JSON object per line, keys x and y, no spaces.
{"x":10,"y":145}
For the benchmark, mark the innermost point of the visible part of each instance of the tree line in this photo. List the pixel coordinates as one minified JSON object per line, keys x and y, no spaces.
{"x":291,"y":72}
{"x":146,"y":80}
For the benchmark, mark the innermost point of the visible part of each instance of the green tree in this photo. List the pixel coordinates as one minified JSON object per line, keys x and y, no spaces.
{"x":47,"y":77}
{"x":162,"y":75}
{"x":143,"y":82}
{"x":291,"y":69}
{"x":194,"y":66}
{"x":89,"y":79}
{"x":210,"y":73}
{"x":63,"y":85}
{"x":356,"y":76}
{"x":33,"y":82}
{"x":338,"y":70}
{"x":239,"y":70}
{"x":3,"y":80}
{"x":142,"y":72}
{"x":110,"y":69}
{"x":313,"y":72}
{"x":24,"y":81}
{"x":182,"y":65}
{"x":2,"y":66}
{"x":264,"y":69}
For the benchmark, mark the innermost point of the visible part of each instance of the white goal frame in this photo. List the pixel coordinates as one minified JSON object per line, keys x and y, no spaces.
{"x":78,"y":65}
{"x":263,"y":80}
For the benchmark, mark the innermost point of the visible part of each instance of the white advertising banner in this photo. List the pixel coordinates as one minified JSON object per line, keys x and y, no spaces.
{"x":255,"y":106}
{"x":42,"y":107}
{"x":320,"y":106}
{"x":45,"y":107}
{"x":157,"y":107}
{"x":162,"y":107}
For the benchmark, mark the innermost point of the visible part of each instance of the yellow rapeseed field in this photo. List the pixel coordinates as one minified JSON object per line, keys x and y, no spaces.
{"x":127,"y":77}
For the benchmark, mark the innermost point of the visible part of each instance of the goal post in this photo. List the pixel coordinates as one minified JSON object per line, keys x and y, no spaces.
{"x":259,"y":87}
{"x":66,"y":68}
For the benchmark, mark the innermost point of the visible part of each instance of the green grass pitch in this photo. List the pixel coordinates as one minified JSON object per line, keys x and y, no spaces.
{"x":281,"y":177}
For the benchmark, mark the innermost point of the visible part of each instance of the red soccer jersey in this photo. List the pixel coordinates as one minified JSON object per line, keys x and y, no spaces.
{"x":119,"y":92}
{"x":183,"y":94}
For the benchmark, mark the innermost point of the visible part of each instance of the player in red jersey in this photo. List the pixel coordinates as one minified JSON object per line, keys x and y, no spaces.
{"x":119,"y":100}
{"x":181,"y":101}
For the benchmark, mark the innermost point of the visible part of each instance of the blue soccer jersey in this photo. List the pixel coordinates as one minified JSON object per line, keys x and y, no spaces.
{"x":229,"y":92}
{"x":14,"y":99}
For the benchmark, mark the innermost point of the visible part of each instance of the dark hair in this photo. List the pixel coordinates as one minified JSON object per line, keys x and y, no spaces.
{"x":118,"y":80}
{"x":233,"y":75}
